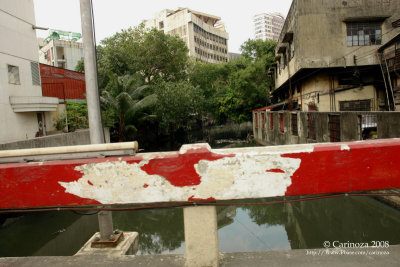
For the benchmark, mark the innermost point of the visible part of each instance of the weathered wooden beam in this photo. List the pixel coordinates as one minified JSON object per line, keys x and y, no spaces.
{"x":197,"y":173}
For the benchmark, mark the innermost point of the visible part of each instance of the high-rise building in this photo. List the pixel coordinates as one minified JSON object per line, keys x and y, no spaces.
{"x":204,"y":34}
{"x":268,"y":26}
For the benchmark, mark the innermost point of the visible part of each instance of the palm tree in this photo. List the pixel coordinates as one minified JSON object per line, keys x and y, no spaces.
{"x":128,"y":100}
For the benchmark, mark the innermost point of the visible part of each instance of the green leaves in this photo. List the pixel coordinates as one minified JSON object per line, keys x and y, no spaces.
{"x":151,"y":53}
{"x":179,"y":103}
{"x":126,"y":99}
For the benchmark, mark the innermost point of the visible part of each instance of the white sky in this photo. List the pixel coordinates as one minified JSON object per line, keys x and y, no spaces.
{"x":113,"y":15}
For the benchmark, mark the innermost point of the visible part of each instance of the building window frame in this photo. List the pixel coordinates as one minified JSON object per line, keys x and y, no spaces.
{"x":363,"y":33}
{"x":13,"y":74}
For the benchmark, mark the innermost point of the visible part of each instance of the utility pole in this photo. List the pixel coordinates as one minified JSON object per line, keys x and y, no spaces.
{"x":93,"y":101}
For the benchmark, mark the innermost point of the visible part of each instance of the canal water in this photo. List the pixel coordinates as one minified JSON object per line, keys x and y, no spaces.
{"x":298,"y":225}
{"x":241,"y":228}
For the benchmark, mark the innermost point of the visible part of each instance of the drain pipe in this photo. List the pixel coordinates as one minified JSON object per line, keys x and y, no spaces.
{"x":93,"y":103}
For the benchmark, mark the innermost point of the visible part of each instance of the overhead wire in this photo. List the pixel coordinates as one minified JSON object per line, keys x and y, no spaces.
{"x":202,"y":203}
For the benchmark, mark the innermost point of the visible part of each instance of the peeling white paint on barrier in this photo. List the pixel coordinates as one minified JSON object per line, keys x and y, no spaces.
{"x":344,"y":147}
{"x":247,"y":173}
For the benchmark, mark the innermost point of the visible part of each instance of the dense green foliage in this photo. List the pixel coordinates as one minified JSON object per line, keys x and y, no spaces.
{"x":127,"y":101}
{"x":74,"y":118}
{"x":80,"y":66}
{"x":148,"y":81}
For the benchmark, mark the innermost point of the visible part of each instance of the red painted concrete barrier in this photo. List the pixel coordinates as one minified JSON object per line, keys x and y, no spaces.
{"x":197,"y":173}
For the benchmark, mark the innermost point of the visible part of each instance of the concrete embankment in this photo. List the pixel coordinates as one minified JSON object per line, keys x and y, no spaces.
{"x":301,"y":257}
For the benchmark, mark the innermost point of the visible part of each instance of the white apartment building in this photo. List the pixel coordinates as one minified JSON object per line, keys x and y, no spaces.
{"x":24,"y":111}
{"x":61,"y":49}
{"x":268,"y":26}
{"x":204,"y":34}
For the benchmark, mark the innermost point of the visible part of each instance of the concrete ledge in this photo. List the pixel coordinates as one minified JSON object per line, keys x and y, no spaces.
{"x":299,"y":257}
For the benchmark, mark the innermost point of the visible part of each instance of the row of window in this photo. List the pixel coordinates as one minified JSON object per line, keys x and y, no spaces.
{"x":209,"y":55}
{"x":210,"y":46}
{"x":14,"y":78}
{"x":208,"y":35}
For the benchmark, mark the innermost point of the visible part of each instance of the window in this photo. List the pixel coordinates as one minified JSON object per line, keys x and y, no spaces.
{"x":294,"y":124}
{"x":13,"y":74}
{"x":365,"y":33}
{"x":334,"y":128}
{"x":263,"y":120}
{"x":356,"y":105}
{"x":271,"y":121}
{"x":311,"y":126}
{"x":281,"y":123}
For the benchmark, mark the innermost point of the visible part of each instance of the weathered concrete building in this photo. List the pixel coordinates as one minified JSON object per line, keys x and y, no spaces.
{"x":326,"y":56}
{"x":61,"y":49}
{"x":390,"y":60}
{"x":204,"y":34}
{"x":24,"y":110}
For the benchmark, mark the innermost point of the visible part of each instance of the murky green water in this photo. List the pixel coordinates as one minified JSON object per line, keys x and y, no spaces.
{"x":241,"y":228}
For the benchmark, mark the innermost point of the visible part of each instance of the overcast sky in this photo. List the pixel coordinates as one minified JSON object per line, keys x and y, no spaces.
{"x":113,"y":15}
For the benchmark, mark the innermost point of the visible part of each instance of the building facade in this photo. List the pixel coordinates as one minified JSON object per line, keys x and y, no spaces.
{"x":390,"y":60}
{"x":204,"y":34}
{"x":24,"y":111}
{"x":268,"y":26}
{"x":326,"y":56}
{"x":61,"y":49}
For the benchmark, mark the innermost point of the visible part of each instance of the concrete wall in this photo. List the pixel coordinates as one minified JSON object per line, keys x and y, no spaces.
{"x":18,"y":46}
{"x":315,"y":91}
{"x":387,"y":125}
{"x":80,"y":137}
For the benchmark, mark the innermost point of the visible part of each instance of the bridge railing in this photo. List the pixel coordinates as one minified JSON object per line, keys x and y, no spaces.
{"x":197,"y":173}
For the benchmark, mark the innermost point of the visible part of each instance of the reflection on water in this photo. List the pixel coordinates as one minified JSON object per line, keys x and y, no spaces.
{"x":297,"y":225}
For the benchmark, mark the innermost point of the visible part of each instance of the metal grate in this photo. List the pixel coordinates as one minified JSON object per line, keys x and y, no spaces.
{"x":263,"y":120}
{"x":294,"y":124}
{"x":368,"y":126}
{"x":311,"y":126}
{"x":281,"y":123}
{"x":35,"y":73}
{"x":271,"y":121}
{"x":334,"y":128}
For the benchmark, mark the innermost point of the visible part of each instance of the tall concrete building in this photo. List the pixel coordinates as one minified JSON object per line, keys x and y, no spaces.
{"x":24,"y":110}
{"x":268,"y":26}
{"x":204,"y":34}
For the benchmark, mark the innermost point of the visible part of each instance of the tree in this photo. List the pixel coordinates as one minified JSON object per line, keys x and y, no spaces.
{"x":259,"y":49}
{"x":127,"y":100}
{"x":150,"y":53}
{"x":80,"y":66}
{"x":179,"y":104}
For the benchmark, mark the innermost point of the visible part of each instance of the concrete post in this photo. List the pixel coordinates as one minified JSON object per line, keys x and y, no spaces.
{"x":93,"y":100}
{"x":201,"y":236}
{"x":92,"y":90}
